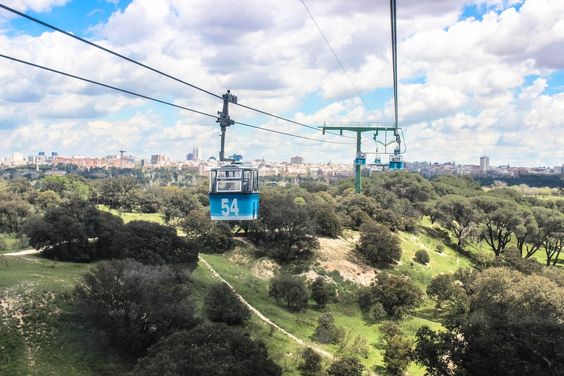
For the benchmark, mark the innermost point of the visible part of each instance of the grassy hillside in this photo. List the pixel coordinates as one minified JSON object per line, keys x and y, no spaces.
{"x":43,"y":337}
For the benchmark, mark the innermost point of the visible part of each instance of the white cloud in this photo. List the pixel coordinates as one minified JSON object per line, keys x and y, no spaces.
{"x":463,"y":91}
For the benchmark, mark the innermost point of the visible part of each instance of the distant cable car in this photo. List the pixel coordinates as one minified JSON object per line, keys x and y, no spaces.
{"x":360,"y":159}
{"x":234,"y":193}
{"x":396,"y":163}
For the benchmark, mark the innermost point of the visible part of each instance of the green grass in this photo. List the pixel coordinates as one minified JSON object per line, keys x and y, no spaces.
{"x":12,"y":243}
{"x":128,"y":217}
{"x":51,"y":340}
{"x":302,"y":325}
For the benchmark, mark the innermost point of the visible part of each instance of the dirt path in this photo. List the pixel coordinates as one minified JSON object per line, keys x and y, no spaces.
{"x":23,"y":253}
{"x":263,"y":317}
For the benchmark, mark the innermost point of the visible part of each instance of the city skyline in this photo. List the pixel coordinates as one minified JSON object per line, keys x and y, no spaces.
{"x":473,"y":80}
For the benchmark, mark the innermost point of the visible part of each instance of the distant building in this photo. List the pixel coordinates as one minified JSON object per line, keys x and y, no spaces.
{"x":190,"y":156}
{"x":54,"y":154}
{"x":197,"y":153}
{"x":158,"y":159}
{"x":484,"y":163}
{"x":296,"y":160}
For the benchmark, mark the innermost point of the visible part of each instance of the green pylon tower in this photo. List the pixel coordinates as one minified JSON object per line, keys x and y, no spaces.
{"x":359,"y":128}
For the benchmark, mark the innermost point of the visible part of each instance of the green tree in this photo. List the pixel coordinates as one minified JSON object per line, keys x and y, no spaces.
{"x":378,"y":245}
{"x":320,"y":292}
{"x":444,"y":289}
{"x":178,"y":204}
{"x":457,"y":215}
{"x":289,"y":291}
{"x":153,"y":243}
{"x":346,"y":367}
{"x":221,"y":304}
{"x":511,"y":326}
{"x":134,"y":303}
{"x":397,"y":354}
{"x":208,"y":350}
{"x":284,"y":228}
{"x":206,"y":235}
{"x":120,"y":193}
{"x":74,"y":231}
{"x":69,"y":187}
{"x":325,"y":221}
{"x":327,"y":331}
{"x":397,"y":295}
{"x":499,"y":218}
{"x":14,"y":212}
{"x":310,"y":364}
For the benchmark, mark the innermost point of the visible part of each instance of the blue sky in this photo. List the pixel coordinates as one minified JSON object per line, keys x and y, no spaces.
{"x":471,"y":73}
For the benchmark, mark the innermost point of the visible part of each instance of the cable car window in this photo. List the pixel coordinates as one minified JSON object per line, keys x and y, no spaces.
{"x":212,"y":178}
{"x":229,"y":186}
{"x":255,"y":181}
{"x":229,"y":174}
{"x":247,"y":183}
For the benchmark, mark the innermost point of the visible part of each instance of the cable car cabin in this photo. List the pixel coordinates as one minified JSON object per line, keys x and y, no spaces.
{"x":396,"y":163}
{"x":234,"y":194}
{"x":360,"y":159}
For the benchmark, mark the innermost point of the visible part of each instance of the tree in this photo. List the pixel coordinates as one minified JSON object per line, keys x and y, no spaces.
{"x":346,"y":367}
{"x":550,"y":233}
{"x":397,"y":295}
{"x":325,"y":221}
{"x":457,"y":215}
{"x":221,"y":304}
{"x":378,"y":245}
{"x":46,"y":199}
{"x":74,"y":231}
{"x":512,"y":326}
{"x":69,"y":187}
{"x":397,"y":354}
{"x":13,"y":213}
{"x":355,"y":209}
{"x":284,"y":228}
{"x":326,"y":330}
{"x":208,"y":350}
{"x":499,"y":219}
{"x":310,"y":364}
{"x":433,"y":351}
{"x":119,"y":192}
{"x":153,"y":243}
{"x":289,"y":291}
{"x":178,"y":204}
{"x":444,"y":289}
{"x":134,"y":303}
{"x":422,"y":257}
{"x":320,"y":292}
{"x":206,"y":235}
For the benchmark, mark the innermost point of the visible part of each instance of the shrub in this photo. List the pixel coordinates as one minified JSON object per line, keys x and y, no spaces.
{"x":378,"y":245}
{"x":422,"y":257}
{"x":397,"y":355}
{"x":326,"y":330}
{"x":289,"y":291}
{"x":222,"y":305}
{"x":310,"y":364}
{"x":440,"y":248}
{"x":396,"y":294}
{"x":135,"y":303}
{"x":208,"y":350}
{"x":346,"y":367}
{"x":320,"y":292}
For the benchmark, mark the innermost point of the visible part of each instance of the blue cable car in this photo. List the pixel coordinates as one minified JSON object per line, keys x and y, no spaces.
{"x":396,"y":163}
{"x":360,"y":159}
{"x":234,"y":193}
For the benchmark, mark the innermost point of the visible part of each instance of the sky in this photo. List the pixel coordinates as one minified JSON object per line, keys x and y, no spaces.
{"x":476,"y":77}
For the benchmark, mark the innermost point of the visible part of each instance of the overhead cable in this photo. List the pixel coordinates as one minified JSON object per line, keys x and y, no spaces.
{"x":83,"y":40}
{"x":155,"y":99}
{"x":334,"y":54}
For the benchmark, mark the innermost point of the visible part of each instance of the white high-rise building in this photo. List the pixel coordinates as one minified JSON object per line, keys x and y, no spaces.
{"x":197,"y":153}
{"x":484,"y":163}
{"x":17,"y":159}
